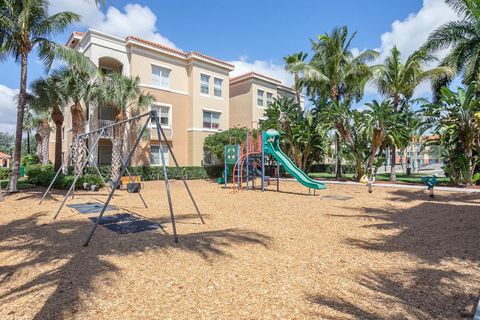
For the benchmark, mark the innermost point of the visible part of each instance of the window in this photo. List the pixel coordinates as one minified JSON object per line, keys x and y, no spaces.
{"x":204,"y":84}
{"x":155,"y":156}
{"x":211,"y":120}
{"x":269,"y":97}
{"x":160,"y":76}
{"x":217,"y":87}
{"x":163,"y":113}
{"x":260,"y":98}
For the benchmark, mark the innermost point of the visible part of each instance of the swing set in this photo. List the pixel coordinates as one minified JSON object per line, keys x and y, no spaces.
{"x":133,"y":186}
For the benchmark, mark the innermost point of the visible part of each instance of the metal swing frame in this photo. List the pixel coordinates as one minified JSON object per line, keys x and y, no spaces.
{"x":152,"y":116}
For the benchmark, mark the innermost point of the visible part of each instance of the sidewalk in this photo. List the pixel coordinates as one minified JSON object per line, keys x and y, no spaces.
{"x":393,"y":185}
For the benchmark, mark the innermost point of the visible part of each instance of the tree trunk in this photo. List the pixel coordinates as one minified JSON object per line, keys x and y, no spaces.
{"x":117,"y":147}
{"x":338,"y":163}
{"x":44,"y":131}
{"x":78,"y":128}
{"x":57,"y":117}
{"x":28,"y":141}
{"x":39,"y":140}
{"x":393,"y":149}
{"x":18,"y":131}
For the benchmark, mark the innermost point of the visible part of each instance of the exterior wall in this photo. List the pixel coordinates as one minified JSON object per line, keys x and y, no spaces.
{"x":258,"y":113}
{"x":240,"y":100}
{"x":186,"y":133}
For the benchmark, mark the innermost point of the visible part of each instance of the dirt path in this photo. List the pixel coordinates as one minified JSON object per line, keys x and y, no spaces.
{"x":343,"y":254}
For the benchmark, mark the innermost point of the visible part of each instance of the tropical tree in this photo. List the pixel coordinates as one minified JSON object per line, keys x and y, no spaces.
{"x":462,"y":38}
{"x":80,"y":87}
{"x":123,"y":94}
{"x":382,"y":127}
{"x":397,"y":80}
{"x":455,"y":119}
{"x":296,"y":65}
{"x":214,"y":144}
{"x":37,"y":119}
{"x":50,"y":101}
{"x":29,"y":125}
{"x":25,"y":26}
{"x":336,"y":74}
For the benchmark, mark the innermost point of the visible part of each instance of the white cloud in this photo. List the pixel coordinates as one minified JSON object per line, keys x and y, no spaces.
{"x":267,"y":68}
{"x":8,"y":109}
{"x":134,"y":19}
{"x":410,"y":34}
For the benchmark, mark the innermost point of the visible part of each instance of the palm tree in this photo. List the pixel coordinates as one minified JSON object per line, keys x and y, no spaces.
{"x":50,"y":100}
{"x":38,"y":120}
{"x":28,"y":126}
{"x":397,"y":80}
{"x":79,"y":86}
{"x":24,"y":26}
{"x":295,"y":64}
{"x":462,"y":38}
{"x":336,"y":74}
{"x":382,"y":127}
{"x":123,"y":93}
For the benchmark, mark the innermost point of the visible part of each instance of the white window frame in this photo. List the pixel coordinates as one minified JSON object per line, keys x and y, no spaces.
{"x":215,"y":88}
{"x":167,"y":157}
{"x":207,"y":83}
{"x":211,"y":122}
{"x":161,"y":83}
{"x":164,"y":105}
{"x":260,"y":97}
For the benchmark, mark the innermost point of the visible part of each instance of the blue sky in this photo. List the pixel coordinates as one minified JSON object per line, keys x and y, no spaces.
{"x":254,"y":35}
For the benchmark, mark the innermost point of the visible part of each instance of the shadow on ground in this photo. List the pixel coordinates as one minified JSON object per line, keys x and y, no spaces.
{"x":60,"y":242}
{"x":438,"y":235}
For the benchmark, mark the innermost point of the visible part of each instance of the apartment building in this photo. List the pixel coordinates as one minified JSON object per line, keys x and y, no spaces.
{"x":191,"y":92}
{"x":250,"y":94}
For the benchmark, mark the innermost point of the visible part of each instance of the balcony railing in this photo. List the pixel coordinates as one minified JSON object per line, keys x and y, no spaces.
{"x":108,"y":133}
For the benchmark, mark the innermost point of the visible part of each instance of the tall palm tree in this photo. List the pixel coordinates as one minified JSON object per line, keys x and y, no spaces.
{"x":462,"y":38}
{"x":123,"y":94}
{"x":337,"y":74}
{"x":382,"y":127}
{"x":51,"y":100}
{"x":28,"y":126}
{"x":25,"y":26}
{"x":397,"y":80}
{"x":79,"y":86}
{"x":296,"y":65}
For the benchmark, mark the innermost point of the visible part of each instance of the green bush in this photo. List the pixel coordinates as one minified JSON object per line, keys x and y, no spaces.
{"x":476,"y":178}
{"x":34,"y":171}
{"x":330,"y":168}
{"x":5,"y":173}
{"x":29,"y":159}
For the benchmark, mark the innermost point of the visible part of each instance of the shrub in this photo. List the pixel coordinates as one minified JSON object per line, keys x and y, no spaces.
{"x":330,"y":168}
{"x":5,"y":173}
{"x":476,"y":178}
{"x":29,"y":159}
{"x":36,"y":171}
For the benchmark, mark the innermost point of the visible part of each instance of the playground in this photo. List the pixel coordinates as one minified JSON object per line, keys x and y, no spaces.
{"x":340,"y":254}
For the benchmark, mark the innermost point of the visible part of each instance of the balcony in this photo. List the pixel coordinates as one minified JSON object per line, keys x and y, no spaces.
{"x":108,"y":133}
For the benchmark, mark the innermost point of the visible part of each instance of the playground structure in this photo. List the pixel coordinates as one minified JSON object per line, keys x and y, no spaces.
{"x":132,"y":186}
{"x":246,"y":162}
{"x":368,"y":181}
{"x":430,"y":183}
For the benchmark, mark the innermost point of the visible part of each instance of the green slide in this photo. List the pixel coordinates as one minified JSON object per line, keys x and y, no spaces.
{"x":272,"y":147}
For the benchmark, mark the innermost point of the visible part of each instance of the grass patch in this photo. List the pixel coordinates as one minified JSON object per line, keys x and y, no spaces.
{"x":21,"y":184}
{"x":401,"y":177}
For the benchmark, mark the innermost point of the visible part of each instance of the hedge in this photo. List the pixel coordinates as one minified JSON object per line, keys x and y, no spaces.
{"x":330,"y":168}
{"x":5,"y":173}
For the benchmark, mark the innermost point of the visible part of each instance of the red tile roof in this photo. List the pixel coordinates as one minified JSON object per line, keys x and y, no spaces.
{"x":161,"y":46}
{"x":4,"y":156}
{"x":180,"y":52}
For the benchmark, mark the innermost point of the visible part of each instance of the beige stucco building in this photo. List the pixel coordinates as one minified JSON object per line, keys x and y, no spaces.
{"x":250,"y":94}
{"x":191,"y":92}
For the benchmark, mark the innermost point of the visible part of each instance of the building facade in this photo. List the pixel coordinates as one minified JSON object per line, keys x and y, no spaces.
{"x":191,"y":92}
{"x":250,"y":94}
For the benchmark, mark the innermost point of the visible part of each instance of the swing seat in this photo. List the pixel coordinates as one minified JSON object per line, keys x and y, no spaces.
{"x":134,"y":187}
{"x":430,"y":182}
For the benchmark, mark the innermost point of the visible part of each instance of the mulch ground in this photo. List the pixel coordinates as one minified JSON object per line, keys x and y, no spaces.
{"x":342,"y":254}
